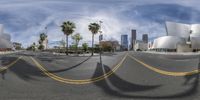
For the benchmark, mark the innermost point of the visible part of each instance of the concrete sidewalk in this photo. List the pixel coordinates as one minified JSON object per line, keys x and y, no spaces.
{"x":9,"y":52}
{"x":86,"y":54}
{"x":172,"y":53}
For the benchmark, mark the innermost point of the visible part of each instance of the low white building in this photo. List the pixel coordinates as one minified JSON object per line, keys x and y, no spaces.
{"x":140,"y":46}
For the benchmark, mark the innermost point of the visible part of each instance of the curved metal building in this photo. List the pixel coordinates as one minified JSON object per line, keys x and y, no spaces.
{"x":5,"y":44}
{"x":178,"y":29}
{"x":5,"y":40}
{"x":180,"y":37}
{"x":168,"y":42}
{"x":195,"y":42}
{"x":195,"y":28}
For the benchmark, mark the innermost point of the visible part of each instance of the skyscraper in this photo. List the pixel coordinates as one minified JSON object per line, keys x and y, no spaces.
{"x":133,"y":39}
{"x":124,"y":42}
{"x":145,"y":38}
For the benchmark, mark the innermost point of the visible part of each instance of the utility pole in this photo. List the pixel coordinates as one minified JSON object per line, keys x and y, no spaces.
{"x":100,"y":38}
{"x":46,"y":37}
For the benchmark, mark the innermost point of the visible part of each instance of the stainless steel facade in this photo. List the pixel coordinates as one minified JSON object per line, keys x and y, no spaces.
{"x":168,"y":42}
{"x":5,"y":44}
{"x":178,"y":29}
{"x":195,"y":42}
{"x":195,"y":28}
{"x":4,"y":39}
{"x":179,"y":34}
{"x":5,"y":36}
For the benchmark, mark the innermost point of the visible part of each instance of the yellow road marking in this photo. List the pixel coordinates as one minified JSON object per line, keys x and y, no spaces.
{"x":72,"y":81}
{"x":9,"y":65}
{"x":163,"y":71}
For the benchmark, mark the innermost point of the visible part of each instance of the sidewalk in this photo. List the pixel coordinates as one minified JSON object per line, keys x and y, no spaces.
{"x":9,"y":52}
{"x":85,"y":55}
{"x":173,"y":53}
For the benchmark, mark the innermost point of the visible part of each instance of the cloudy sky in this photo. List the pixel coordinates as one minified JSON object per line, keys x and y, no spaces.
{"x":24,"y":20}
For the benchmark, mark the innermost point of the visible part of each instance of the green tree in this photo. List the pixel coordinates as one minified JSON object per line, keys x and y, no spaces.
{"x":77,"y":37}
{"x":68,"y":28}
{"x":94,"y":28}
{"x":72,"y":47}
{"x":85,"y":46}
{"x":33,"y":46}
{"x":43,"y":36}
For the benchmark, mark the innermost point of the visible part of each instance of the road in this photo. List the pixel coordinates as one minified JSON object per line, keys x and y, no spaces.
{"x":122,"y":76}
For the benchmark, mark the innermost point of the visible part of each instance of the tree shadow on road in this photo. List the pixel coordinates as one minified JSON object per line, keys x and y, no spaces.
{"x":3,"y":73}
{"x":115,"y":86}
{"x":69,"y":68}
{"x":25,"y":70}
{"x":118,"y":83}
{"x":4,"y":62}
{"x":192,"y":78}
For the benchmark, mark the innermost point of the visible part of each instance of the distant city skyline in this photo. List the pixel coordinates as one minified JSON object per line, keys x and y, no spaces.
{"x":25,"y":19}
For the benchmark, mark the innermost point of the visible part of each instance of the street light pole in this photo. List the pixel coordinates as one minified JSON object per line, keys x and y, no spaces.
{"x":46,"y":37}
{"x":100,"y":38}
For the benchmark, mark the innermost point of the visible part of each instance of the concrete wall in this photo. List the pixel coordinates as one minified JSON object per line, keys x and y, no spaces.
{"x":141,"y":46}
{"x":184,"y":48}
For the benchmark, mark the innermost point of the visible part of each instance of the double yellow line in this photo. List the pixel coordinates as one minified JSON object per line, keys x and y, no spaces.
{"x":102,"y":77}
{"x":9,"y":65}
{"x":72,"y":81}
{"x":169,"y":73}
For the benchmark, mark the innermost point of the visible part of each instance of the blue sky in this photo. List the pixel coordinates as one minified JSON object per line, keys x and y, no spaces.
{"x":24,"y":20}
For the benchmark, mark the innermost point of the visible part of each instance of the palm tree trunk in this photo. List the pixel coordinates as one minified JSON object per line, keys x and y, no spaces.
{"x":77,"y":47}
{"x":92,"y":44}
{"x":66,"y":44}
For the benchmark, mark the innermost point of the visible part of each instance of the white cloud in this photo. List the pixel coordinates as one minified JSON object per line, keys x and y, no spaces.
{"x":29,"y":17}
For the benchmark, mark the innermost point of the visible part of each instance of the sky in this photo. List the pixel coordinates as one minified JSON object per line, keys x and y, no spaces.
{"x":24,"y":20}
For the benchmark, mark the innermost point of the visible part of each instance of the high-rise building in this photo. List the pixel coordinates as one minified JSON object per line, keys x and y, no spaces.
{"x":133,"y":39}
{"x":145,"y":38}
{"x":124,"y":42}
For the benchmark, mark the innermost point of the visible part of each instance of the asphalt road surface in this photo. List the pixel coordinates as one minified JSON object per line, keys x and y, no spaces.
{"x":120,"y":76}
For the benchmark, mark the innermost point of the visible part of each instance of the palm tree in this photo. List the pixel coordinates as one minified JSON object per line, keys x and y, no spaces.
{"x":68,"y":28}
{"x":43,"y":36}
{"x":33,"y":47}
{"x":94,"y":28}
{"x":77,"y":37}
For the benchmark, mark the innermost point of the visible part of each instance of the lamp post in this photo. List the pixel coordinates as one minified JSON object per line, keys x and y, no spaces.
{"x":46,"y":44}
{"x":100,"y":38}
